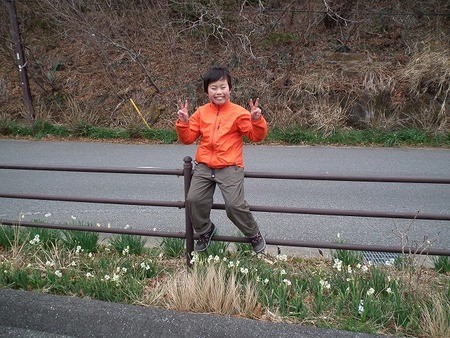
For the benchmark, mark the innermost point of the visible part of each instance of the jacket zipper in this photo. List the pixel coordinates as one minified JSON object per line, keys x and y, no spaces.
{"x":216,"y":127}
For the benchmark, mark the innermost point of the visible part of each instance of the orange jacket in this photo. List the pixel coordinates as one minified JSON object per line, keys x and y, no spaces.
{"x":221,"y":129}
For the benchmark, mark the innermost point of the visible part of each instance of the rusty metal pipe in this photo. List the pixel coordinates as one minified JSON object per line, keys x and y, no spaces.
{"x":190,"y":236}
{"x":176,"y":204}
{"x":107,"y":170}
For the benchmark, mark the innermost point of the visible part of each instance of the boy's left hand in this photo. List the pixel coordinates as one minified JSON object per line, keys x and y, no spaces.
{"x":255,"y":111}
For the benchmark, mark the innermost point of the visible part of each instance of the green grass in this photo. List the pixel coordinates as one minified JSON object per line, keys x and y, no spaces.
{"x":128,"y":244}
{"x":350,"y":137}
{"x":339,"y":292}
{"x":173,"y":247}
{"x":40,"y":130}
{"x":442,"y":264}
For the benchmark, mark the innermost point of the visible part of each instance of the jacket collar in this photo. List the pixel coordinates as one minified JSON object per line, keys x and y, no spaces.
{"x":222,"y":106}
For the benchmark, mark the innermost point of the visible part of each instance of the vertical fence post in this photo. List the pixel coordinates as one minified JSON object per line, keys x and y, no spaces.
{"x":20,"y":58}
{"x":187,"y":172}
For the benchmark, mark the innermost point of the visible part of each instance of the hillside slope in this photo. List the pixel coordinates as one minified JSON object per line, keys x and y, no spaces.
{"x":313,"y":63}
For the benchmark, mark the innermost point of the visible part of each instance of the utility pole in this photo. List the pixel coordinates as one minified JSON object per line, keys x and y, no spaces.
{"x":20,"y":58}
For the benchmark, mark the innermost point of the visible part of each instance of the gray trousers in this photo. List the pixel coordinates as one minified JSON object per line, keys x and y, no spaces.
{"x":200,"y":198}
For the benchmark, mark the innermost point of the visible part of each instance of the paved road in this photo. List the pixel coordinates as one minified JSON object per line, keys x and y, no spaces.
{"x":289,"y":159}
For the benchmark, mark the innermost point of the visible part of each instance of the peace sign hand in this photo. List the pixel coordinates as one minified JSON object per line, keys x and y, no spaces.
{"x":182,"y":112}
{"x":255,"y":111}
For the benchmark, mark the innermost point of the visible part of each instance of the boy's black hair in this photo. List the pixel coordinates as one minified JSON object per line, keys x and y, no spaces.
{"x":216,"y":74}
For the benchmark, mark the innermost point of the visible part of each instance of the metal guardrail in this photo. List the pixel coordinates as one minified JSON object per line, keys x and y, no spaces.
{"x":189,"y":235}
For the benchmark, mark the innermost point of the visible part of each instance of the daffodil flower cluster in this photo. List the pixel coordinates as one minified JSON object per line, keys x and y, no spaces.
{"x":390,"y":262}
{"x":325,"y":284}
{"x":281,"y":258}
{"x":35,"y":240}
{"x":145,"y":266}
{"x":370,"y":292}
{"x":215,"y":258}
{"x":361,"y":307}
{"x":287,"y":282}
{"x":337,"y":264}
{"x":115,"y":276}
{"x":126,"y":251}
{"x":195,"y":258}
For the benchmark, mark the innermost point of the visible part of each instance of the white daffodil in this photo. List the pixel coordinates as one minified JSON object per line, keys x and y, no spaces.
{"x":361,"y":307}
{"x":287,"y":282}
{"x":370,"y":292}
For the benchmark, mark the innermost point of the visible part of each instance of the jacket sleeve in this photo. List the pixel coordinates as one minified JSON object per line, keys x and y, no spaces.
{"x":255,"y":131}
{"x":188,"y":132}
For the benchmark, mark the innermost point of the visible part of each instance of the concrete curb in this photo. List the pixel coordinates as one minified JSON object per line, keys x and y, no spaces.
{"x":30,"y":314}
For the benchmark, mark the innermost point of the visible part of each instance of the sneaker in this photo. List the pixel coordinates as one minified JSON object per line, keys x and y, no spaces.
{"x":258,"y":243}
{"x":204,"y":240}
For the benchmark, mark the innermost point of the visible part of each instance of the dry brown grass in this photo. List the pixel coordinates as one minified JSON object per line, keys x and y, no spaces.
{"x":435,"y":320}
{"x":429,"y":71}
{"x":16,"y":256}
{"x":209,"y":290}
{"x":285,"y":52}
{"x":425,"y":86}
{"x":327,"y":116}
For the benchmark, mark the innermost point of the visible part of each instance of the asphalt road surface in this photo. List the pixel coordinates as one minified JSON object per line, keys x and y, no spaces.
{"x":398,"y":197}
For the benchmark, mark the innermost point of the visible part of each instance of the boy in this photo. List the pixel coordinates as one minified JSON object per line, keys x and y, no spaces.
{"x":221,"y":125}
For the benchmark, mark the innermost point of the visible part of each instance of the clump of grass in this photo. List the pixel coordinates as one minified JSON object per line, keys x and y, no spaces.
{"x":128,"y":244}
{"x":42,"y":128}
{"x":86,"y":240}
{"x":216,"y":248}
{"x":13,"y":239}
{"x":48,"y":237}
{"x":441,"y":264}
{"x":428,"y":71}
{"x":210,"y":289}
{"x":347,"y":257}
{"x":13,"y":128}
{"x":327,"y":116}
{"x":8,"y":236}
{"x":163,"y":135}
{"x":173,"y":247}
{"x":435,"y":319}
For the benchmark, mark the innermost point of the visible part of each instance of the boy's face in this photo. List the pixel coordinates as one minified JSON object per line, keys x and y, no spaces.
{"x":219,"y":92}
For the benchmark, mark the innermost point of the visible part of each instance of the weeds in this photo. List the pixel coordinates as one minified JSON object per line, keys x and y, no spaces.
{"x":10,"y":236}
{"x":441,"y":264}
{"x":346,"y":257}
{"x":84,"y":239}
{"x":173,"y":247}
{"x":209,"y":289}
{"x":435,"y":321}
{"x":128,"y":244}
{"x":217,"y":248}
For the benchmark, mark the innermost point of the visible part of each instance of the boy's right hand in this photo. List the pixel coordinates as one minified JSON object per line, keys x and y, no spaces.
{"x":183,"y":113}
